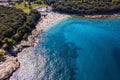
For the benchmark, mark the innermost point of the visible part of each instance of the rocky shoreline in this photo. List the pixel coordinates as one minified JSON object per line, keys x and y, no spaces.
{"x":101,"y":16}
{"x":7,"y":67}
{"x":32,"y":40}
{"x":11,"y":64}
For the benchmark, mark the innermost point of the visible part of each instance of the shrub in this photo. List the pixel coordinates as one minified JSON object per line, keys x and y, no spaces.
{"x":9,"y":41}
{"x":25,"y":36}
{"x":2,"y":54}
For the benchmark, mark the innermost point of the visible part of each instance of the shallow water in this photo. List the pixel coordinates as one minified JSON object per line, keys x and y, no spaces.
{"x":74,"y":49}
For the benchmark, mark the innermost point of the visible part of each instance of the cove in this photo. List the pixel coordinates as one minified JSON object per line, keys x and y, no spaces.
{"x":78,"y":49}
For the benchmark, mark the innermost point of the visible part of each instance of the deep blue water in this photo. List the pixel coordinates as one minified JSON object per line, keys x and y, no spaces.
{"x":76,"y":49}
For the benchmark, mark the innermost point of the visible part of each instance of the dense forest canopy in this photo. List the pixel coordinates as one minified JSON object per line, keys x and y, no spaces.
{"x":15,"y":24}
{"x":85,"y":6}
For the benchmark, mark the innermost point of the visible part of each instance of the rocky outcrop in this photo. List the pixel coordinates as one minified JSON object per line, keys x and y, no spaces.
{"x":101,"y":16}
{"x":8,"y":66}
{"x":30,"y":42}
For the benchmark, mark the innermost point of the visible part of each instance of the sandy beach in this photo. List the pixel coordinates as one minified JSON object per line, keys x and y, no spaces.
{"x":50,"y":19}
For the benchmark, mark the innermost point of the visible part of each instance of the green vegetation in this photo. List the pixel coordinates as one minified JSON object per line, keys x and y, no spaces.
{"x":25,"y":36}
{"x":25,"y":7}
{"x":82,"y":7}
{"x":22,"y":6}
{"x":9,"y":41}
{"x":2,"y":54}
{"x":15,"y":24}
{"x":28,"y":5}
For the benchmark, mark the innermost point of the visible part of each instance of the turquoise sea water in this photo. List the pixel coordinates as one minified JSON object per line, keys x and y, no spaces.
{"x":77,"y":49}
